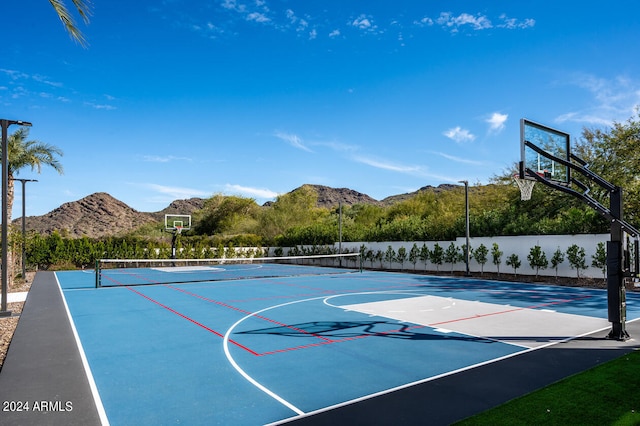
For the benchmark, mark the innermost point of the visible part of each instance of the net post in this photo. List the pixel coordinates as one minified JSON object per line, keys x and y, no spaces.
{"x":97,"y":273}
{"x":360,"y":257}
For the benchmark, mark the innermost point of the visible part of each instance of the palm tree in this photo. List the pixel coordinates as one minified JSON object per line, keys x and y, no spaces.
{"x":23,"y":153}
{"x":84,"y":10}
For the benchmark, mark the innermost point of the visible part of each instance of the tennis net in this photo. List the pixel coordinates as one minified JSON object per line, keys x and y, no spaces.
{"x":131,"y":272}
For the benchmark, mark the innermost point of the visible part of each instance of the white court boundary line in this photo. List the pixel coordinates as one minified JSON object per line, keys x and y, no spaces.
{"x":253,"y":381}
{"x":102,"y":414}
{"x":225,"y":344}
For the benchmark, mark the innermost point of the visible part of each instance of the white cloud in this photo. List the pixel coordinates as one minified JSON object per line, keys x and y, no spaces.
{"x":334,"y":33}
{"x":459,"y":135}
{"x":460,"y":160}
{"x":513,"y":23}
{"x":364,"y":22}
{"x":233,"y":5}
{"x":361,"y":22}
{"x":424,"y":22}
{"x":164,"y":159}
{"x":252,"y":192}
{"x":13,"y":74}
{"x":614,"y":99}
{"x":387,"y":165}
{"x":100,"y":106}
{"x":176,"y":192}
{"x":497,"y":121}
{"x":338,"y":146}
{"x":257,"y":17}
{"x":293,"y":140}
{"x":479,"y":22}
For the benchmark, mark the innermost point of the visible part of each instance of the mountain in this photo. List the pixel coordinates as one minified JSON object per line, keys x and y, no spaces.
{"x":331,"y":197}
{"x":99,"y":214}
{"x":187,"y":206}
{"x":401,"y":197}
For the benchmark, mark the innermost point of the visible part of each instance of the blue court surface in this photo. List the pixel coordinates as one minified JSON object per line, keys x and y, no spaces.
{"x":269,"y":350}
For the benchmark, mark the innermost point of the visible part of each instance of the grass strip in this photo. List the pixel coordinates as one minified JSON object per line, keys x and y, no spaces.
{"x":608,"y":394}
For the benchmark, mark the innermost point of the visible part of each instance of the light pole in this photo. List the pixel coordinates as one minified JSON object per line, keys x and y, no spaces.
{"x":5,"y":208}
{"x":340,"y":233}
{"x":24,"y":226}
{"x":466,"y":215}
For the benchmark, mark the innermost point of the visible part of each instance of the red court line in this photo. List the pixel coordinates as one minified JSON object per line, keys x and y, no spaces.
{"x":346,"y":339}
{"x":189,"y":319}
{"x":557,"y":302}
{"x":217,"y":302}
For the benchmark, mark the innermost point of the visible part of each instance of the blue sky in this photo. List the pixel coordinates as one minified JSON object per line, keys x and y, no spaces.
{"x":176,"y":99}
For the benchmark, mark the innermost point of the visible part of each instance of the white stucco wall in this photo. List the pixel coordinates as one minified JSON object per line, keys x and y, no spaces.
{"x":520,"y":245}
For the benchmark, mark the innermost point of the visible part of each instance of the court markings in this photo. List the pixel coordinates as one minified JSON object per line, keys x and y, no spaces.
{"x":528,"y":327}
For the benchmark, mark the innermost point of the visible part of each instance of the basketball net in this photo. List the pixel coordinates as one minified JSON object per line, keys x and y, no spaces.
{"x":526,"y":187}
{"x":178,"y":229}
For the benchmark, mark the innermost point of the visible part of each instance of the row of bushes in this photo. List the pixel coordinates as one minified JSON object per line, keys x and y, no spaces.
{"x":453,"y":254}
{"x":55,"y":252}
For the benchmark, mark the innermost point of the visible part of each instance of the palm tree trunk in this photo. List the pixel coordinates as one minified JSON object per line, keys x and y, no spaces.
{"x":11,"y":193}
{"x":10,"y":257}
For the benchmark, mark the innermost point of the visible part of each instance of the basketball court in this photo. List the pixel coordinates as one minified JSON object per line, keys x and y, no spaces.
{"x":296,"y":348}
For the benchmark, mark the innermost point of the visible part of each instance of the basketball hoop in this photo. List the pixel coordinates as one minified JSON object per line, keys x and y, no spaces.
{"x":178,"y":229}
{"x":526,"y":187}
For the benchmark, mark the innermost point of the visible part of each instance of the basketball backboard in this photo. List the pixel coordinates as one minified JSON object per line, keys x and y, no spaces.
{"x":174,"y":221}
{"x":540,"y":146}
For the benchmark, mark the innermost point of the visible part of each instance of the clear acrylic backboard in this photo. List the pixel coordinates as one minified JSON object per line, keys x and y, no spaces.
{"x":538,"y":144}
{"x":177,"y":221}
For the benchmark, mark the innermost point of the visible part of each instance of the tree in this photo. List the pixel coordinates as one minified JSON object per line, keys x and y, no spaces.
{"x":537,"y":259}
{"x":599,"y":259}
{"x":556,"y":260}
{"x":452,"y":255}
{"x":496,"y":256}
{"x":370,"y":256}
{"x":23,"y":153}
{"x":514,"y":261}
{"x":296,"y":208}
{"x":379,"y":257}
{"x":613,"y":154}
{"x":401,"y":256}
{"x":576,"y":257}
{"x":480,"y":254}
{"x":84,"y":10}
{"x":414,"y":255}
{"x":424,"y":254}
{"x":389,"y":255}
{"x":436,"y":256}
{"x":227,"y":214}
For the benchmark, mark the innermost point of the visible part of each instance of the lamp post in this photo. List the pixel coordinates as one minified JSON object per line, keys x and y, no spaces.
{"x":5,"y":209}
{"x":466,"y":214}
{"x":24,"y":226}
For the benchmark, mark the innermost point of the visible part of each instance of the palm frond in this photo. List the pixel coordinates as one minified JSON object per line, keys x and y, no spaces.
{"x":33,"y":154}
{"x":84,"y":10}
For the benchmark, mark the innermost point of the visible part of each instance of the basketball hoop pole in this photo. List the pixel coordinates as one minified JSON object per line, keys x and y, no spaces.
{"x":174,"y":239}
{"x":616,"y":291}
